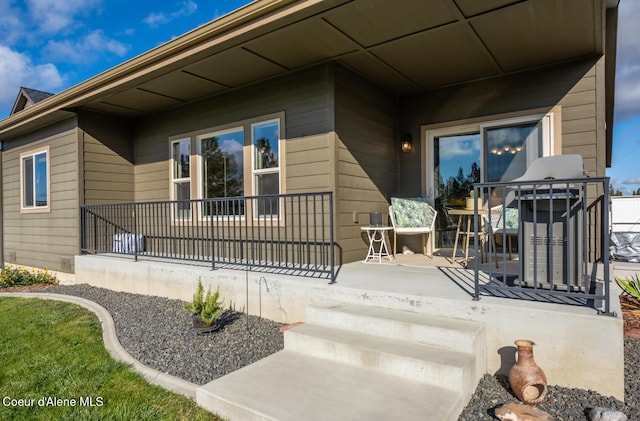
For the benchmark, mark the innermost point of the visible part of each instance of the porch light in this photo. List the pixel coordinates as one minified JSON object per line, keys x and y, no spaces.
{"x":405,"y":144}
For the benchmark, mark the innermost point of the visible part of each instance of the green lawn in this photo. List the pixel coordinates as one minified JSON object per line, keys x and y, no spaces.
{"x":53,"y":359}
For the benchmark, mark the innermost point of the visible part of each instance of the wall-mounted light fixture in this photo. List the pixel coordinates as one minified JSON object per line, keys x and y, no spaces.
{"x":405,"y":143}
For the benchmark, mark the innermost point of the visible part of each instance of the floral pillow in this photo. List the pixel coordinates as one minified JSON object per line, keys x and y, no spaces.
{"x":412,"y":212}
{"x":510,"y":219}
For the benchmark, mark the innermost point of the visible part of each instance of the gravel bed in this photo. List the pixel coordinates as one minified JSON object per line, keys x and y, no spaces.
{"x":562,"y":403}
{"x":157,"y":332}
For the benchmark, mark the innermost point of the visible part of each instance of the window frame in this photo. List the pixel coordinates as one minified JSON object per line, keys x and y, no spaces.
{"x":272,"y":170}
{"x":32,"y":154}
{"x":200,"y":167}
{"x":182,"y":180}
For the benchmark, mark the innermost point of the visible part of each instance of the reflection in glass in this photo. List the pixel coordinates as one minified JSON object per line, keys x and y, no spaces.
{"x":181,"y":157}
{"x":456,"y":167}
{"x":265,"y":142}
{"x":510,"y":150}
{"x":267,"y":184}
{"x":223,"y":171}
{"x":27,"y":166}
{"x":182,"y":193}
{"x":41,"y":179}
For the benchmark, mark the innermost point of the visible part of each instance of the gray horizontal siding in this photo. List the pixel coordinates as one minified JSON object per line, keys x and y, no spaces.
{"x":107,"y":160}
{"x":366,"y":166}
{"x":48,"y":239}
{"x":304,"y":98}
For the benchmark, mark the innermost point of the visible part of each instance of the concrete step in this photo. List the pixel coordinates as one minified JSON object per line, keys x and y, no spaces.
{"x":459,"y":335}
{"x":425,"y":363}
{"x":292,"y":386}
{"x":424,"y":328}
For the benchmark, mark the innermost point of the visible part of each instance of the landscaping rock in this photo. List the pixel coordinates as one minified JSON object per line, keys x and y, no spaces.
{"x":519,"y":412}
{"x":606,"y":414}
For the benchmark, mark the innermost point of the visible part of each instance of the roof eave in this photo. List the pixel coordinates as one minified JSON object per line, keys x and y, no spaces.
{"x":252,"y":12}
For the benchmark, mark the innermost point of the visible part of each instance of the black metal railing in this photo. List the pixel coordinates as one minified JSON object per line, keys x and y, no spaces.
{"x":562,"y":230}
{"x":292,"y":233}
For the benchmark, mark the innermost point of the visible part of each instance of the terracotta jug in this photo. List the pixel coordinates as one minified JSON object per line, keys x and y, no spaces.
{"x":527,"y":380}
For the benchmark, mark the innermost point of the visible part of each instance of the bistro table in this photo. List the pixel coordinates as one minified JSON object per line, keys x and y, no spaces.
{"x":464,"y":216}
{"x":377,"y":235}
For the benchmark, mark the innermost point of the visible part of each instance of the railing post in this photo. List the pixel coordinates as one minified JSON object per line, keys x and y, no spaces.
{"x":331,"y":245}
{"x":605,"y":246}
{"x":211,"y":236}
{"x":135,"y":234}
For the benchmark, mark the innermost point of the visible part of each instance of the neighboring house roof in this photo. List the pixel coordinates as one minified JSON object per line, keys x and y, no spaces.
{"x":404,"y":46}
{"x":28,"y":97}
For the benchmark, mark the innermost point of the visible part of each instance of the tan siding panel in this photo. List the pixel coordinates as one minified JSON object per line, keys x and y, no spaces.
{"x":44,"y":239}
{"x":579,"y":98}
{"x":577,"y":139}
{"x":578,"y":112}
{"x":578,"y":126}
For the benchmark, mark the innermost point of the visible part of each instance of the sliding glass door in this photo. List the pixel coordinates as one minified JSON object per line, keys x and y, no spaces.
{"x":459,"y":156}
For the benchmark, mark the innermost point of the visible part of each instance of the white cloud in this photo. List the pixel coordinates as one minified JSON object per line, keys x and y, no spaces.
{"x":155,"y":19}
{"x":457,"y":147}
{"x":83,"y":50}
{"x":53,"y":16}
{"x":17,"y":69}
{"x":635,"y":180}
{"x":10,"y":23}
{"x":628,"y":61}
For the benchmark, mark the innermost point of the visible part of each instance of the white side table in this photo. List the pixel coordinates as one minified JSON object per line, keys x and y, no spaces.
{"x":377,"y":243}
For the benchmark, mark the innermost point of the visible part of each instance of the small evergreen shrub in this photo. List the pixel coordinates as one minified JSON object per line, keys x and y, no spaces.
{"x":12,"y":276}
{"x":208,"y":306}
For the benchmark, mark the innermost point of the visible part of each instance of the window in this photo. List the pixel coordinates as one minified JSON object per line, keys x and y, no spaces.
{"x":266,"y":165}
{"x":235,"y":160}
{"x":34,"y":171}
{"x":222,"y":156}
{"x":181,"y":177}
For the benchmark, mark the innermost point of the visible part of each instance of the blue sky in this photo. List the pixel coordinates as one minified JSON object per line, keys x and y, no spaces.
{"x":52,"y":45}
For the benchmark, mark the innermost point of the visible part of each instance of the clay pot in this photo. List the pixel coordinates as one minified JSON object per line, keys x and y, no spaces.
{"x":527,"y":380}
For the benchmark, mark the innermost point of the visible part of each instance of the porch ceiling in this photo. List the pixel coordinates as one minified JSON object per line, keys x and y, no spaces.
{"x":404,"y":46}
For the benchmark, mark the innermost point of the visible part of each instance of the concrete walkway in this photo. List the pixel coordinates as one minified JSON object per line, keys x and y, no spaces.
{"x":113,"y":346}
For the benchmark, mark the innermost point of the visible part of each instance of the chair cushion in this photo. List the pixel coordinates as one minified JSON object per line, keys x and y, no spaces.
{"x":412,"y":212}
{"x":510,"y":219}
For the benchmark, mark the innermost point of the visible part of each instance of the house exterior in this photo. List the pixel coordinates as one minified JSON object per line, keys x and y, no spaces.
{"x":284,"y":97}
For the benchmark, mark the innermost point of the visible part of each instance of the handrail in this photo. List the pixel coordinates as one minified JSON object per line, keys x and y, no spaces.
{"x":292,"y":233}
{"x":563,"y":237}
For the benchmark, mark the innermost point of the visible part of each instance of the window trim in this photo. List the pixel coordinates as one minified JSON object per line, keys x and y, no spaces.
{"x":273,"y":170}
{"x":174,"y":181}
{"x":33,"y":153}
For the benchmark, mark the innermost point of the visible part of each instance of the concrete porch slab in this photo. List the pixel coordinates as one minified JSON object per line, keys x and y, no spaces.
{"x":574,"y":344}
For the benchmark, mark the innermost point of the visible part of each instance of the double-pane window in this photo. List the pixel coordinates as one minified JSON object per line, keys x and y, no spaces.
{"x":35,"y":180}
{"x":266,"y":166}
{"x":181,"y":177}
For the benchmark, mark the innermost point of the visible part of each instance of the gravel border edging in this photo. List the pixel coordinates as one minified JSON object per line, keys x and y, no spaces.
{"x":113,"y":346}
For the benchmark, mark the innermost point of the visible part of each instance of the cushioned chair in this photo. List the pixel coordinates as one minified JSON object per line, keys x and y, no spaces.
{"x":413,"y":216}
{"x":501,"y":221}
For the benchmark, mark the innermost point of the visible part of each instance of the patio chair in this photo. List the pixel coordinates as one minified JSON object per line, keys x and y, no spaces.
{"x":413,"y":217}
{"x":501,"y":221}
